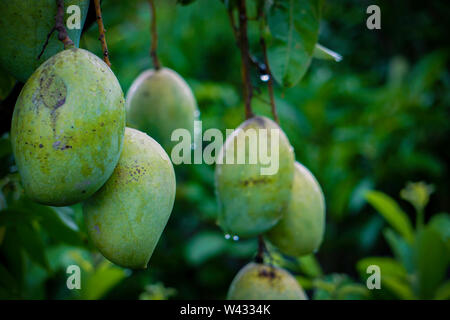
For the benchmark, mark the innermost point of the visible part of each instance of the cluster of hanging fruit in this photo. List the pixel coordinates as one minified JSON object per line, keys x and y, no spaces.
{"x":71,"y":145}
{"x":287,"y":207}
{"x":70,"y":139}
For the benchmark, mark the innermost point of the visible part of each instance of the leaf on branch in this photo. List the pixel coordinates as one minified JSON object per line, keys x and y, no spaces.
{"x":292,"y":37}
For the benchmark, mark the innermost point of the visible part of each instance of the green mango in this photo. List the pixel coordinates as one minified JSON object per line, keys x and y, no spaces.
{"x":301,"y":229}
{"x":25,"y":25}
{"x":127,"y":216}
{"x":262,"y":282}
{"x":158,"y":102}
{"x":251,"y":203}
{"x":67,"y":128}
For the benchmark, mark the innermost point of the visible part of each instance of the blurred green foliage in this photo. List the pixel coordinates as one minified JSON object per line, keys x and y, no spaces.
{"x":375,"y":120}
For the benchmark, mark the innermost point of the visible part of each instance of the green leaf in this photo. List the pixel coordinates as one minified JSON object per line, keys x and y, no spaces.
{"x":5,"y":147}
{"x":388,"y":266}
{"x":441,"y":223}
{"x":401,"y":249}
{"x":7,"y":82}
{"x":58,"y":222}
{"x":31,"y":241}
{"x":398,"y":287}
{"x":443,"y":292}
{"x":310,"y":266}
{"x":432,"y":261}
{"x":393,"y":214}
{"x":101,"y":280}
{"x":293,"y":33}
{"x":320,"y":52}
{"x":204,"y":246}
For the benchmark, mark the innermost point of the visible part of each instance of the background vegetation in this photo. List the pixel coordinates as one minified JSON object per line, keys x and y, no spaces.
{"x":374,"y":121}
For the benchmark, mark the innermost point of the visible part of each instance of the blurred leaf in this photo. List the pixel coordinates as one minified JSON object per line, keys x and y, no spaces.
{"x":5,"y":147}
{"x":101,"y":280}
{"x":441,"y":223}
{"x":294,"y":30}
{"x":157,"y":292}
{"x":204,"y":246}
{"x":390,"y":210}
{"x":310,"y":266}
{"x":432,"y":261}
{"x":418,"y":194}
{"x":401,"y":249}
{"x":6,"y":84}
{"x":320,"y":52}
{"x":57,"y":221}
{"x":443,"y":292}
{"x":398,"y":287}
{"x":388,"y":266}
{"x":31,"y":241}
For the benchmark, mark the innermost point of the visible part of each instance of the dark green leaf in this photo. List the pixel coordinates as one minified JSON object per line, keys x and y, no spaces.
{"x":31,"y":241}
{"x":294,"y":30}
{"x":432,"y":261}
{"x":393,"y":214}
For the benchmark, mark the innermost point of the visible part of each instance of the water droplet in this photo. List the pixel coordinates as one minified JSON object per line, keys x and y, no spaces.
{"x":236,"y":238}
{"x":193,"y":146}
{"x":264,"y":77}
{"x":227,"y":236}
{"x":197,"y":113}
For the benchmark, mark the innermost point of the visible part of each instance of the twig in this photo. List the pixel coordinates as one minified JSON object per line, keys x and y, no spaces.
{"x":154,"y":46}
{"x":244,"y":48}
{"x":101,"y":31}
{"x":270,"y":81}
{"x":261,"y":249}
{"x":59,"y":26}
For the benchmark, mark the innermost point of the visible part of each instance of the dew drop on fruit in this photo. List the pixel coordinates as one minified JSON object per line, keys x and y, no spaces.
{"x":227,"y":236}
{"x":236,"y":238}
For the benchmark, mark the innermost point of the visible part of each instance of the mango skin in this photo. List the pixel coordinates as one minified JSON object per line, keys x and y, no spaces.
{"x":263,"y":282}
{"x":127,"y":216}
{"x":251,"y":203}
{"x":158,"y":102}
{"x":25,"y":25}
{"x":67,"y":128}
{"x":300,"y":231}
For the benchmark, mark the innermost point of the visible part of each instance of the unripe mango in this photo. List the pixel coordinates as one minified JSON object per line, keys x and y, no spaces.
{"x":263,"y":282}
{"x":127,"y":216}
{"x":25,"y":25}
{"x":159,"y":102}
{"x":67,"y":128}
{"x":250,"y":202}
{"x":301,"y":229}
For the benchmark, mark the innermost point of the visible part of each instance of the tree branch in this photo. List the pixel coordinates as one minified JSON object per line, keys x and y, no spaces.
{"x":270,"y":81}
{"x":154,"y":33}
{"x":101,"y":31}
{"x":261,"y":249}
{"x":244,"y":48}
{"x":60,"y":27}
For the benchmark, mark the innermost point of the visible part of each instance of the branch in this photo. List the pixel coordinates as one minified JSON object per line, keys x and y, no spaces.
{"x":101,"y":31}
{"x":270,"y":81}
{"x":60,"y":27}
{"x":261,"y":249}
{"x":244,"y":48}
{"x":154,"y":46}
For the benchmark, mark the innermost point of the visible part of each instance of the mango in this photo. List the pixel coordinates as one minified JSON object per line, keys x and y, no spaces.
{"x":300,"y":231}
{"x":251,"y":200}
{"x":25,"y":25}
{"x":127,"y":216}
{"x":263,"y":282}
{"x":67,"y":128}
{"x":160,"y":101}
